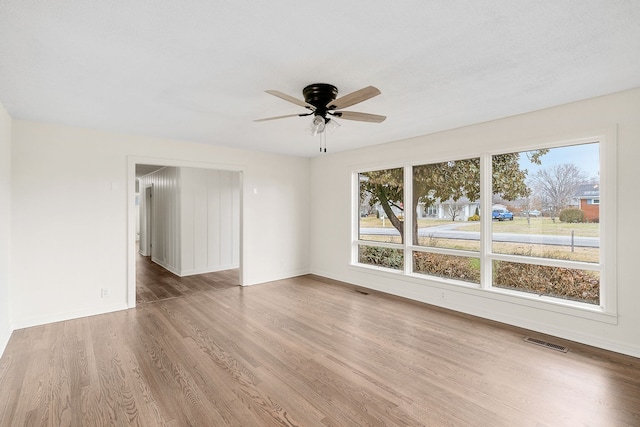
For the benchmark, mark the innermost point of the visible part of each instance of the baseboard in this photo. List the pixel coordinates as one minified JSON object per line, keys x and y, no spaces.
{"x":60,"y":317}
{"x":272,"y":278}
{"x":184,"y":273}
{"x":553,"y":330}
{"x":4,"y":340}
{"x":166,"y":266}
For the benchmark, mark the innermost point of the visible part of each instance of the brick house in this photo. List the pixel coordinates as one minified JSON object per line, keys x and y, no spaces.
{"x":588,"y":196}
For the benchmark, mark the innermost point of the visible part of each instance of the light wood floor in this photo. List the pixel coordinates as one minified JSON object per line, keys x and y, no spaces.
{"x":155,"y":283}
{"x":308,"y":352}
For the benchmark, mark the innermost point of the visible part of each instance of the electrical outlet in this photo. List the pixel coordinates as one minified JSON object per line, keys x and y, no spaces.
{"x":105,"y":293}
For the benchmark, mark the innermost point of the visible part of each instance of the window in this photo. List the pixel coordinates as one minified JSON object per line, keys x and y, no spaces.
{"x":523,"y":223}
{"x":555,"y":178}
{"x":381,"y":218}
{"x":430,"y":211}
{"x":440,"y":246}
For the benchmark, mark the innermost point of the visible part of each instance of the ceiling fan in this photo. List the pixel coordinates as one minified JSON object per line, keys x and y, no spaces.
{"x":320,"y":99}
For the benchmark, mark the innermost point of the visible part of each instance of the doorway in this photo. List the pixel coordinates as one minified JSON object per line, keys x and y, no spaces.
{"x":145,"y":263}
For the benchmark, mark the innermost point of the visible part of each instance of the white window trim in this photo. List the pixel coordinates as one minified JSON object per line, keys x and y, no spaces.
{"x":607,"y":309}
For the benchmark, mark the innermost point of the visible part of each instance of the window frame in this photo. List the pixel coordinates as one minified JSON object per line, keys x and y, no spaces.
{"x":356,"y":242}
{"x":414,"y":247}
{"x":605,"y":311}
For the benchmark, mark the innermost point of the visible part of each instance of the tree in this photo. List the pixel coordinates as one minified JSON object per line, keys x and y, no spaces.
{"x":557,"y":185}
{"x":385,"y":187}
{"x":454,"y":209}
{"x":444,"y":181}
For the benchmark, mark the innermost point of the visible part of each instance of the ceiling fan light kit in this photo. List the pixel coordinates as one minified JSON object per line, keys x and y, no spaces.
{"x":317,"y":125}
{"x":321,"y":99}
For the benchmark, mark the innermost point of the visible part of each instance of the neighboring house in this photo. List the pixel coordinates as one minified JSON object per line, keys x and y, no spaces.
{"x":588,"y":197}
{"x":381,"y":214}
{"x":462,"y":209}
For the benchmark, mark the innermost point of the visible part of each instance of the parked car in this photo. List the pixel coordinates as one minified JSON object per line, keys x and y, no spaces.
{"x":535,"y":213}
{"x":501,"y":215}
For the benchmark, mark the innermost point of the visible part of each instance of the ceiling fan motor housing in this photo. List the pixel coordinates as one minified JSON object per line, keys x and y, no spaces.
{"x":320,"y":95}
{"x":320,"y":99}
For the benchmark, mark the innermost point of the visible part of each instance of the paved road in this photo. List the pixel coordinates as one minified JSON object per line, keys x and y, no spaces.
{"x":449,"y":232}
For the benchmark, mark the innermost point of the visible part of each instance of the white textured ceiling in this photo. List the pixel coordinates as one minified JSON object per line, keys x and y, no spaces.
{"x":197,"y":70}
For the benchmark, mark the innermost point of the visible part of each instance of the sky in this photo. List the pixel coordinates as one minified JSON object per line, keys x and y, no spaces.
{"x":585,"y":157}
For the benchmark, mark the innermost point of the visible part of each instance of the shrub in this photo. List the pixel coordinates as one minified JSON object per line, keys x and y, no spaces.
{"x":452,"y":266}
{"x":571,"y":215}
{"x":475,"y":217}
{"x":383,"y":257}
{"x":568,"y":283}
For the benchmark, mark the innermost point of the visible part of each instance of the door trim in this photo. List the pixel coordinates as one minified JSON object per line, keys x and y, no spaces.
{"x":132,"y":161}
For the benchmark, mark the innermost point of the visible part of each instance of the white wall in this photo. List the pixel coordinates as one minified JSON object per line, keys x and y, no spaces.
{"x":5,"y":226}
{"x":70,"y":208}
{"x":210,"y":227}
{"x":332,"y":214}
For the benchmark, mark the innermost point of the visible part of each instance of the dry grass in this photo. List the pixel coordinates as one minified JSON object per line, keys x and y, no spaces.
{"x":538,"y":251}
{"x":548,"y":251}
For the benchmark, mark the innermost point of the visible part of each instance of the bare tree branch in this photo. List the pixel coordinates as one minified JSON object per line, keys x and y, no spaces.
{"x":557,"y":185}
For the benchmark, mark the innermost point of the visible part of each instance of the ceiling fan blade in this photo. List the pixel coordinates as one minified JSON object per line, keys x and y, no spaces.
{"x":282,"y":117}
{"x":354,"y":98}
{"x":290,"y":99}
{"x":360,"y":117}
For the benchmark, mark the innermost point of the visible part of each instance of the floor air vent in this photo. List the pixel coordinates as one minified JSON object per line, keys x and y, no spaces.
{"x":552,"y":346}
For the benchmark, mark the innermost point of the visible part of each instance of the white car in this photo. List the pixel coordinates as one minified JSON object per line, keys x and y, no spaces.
{"x":534,"y":213}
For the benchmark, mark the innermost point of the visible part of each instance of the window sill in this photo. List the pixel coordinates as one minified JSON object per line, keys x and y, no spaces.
{"x":538,"y":302}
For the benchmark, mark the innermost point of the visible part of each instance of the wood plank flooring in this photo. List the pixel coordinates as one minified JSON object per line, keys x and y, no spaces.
{"x":305,"y":351}
{"x":155,"y":283}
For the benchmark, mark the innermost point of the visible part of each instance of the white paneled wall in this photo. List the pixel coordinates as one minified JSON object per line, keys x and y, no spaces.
{"x":196,"y":219}
{"x":210,"y":224}
{"x":165,"y":211}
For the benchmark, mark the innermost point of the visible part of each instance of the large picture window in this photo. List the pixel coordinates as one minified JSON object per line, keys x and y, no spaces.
{"x":523,"y":223}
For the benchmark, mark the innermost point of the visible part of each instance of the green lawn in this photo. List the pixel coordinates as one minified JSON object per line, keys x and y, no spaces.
{"x":538,"y":226}
{"x":373,"y":222}
{"x":518,"y":225}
